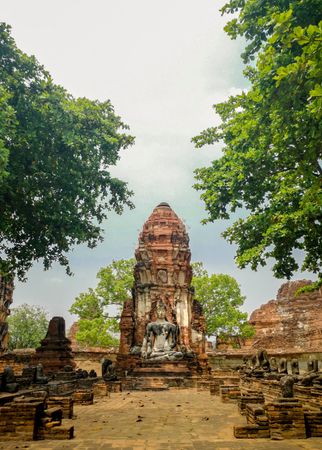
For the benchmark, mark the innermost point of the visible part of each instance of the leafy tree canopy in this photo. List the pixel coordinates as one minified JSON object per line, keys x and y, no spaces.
{"x":221,"y":299}
{"x":27,"y":326}
{"x":55,"y":152}
{"x":99,"y":309}
{"x":98,"y":332}
{"x":271,"y":134}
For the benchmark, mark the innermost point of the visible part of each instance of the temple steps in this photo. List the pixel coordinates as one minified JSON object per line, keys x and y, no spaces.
{"x":176,"y":367}
{"x":159,"y":376}
{"x":145,"y":384}
{"x":155,"y":383}
{"x":161,"y":372}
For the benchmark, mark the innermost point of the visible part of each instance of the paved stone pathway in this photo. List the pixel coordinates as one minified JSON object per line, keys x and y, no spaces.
{"x":178,"y":420}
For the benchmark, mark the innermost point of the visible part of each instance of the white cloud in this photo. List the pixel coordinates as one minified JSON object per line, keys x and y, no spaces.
{"x":163,"y":64}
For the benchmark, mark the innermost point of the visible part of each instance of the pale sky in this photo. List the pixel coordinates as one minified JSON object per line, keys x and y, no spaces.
{"x":163,"y":64}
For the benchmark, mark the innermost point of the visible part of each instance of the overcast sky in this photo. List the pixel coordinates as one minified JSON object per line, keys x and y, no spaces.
{"x":163,"y":64}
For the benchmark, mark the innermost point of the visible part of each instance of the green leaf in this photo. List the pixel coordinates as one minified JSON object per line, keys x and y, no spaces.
{"x":99,"y":309}
{"x":27,"y":326}
{"x":221,"y":299}
{"x":270,"y":169}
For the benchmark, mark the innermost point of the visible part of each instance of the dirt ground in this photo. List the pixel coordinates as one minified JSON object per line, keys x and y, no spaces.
{"x":175,"y":419}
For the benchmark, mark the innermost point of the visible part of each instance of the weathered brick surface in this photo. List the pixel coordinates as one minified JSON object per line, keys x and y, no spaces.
{"x":61,"y":432}
{"x":245,"y":400}
{"x":217,"y":381}
{"x":286,"y":419}
{"x":270,"y":389}
{"x":114,"y":386}
{"x":29,"y":418}
{"x":251,"y":432}
{"x":229,"y":393}
{"x":65,"y":403}
{"x":255,"y":414}
{"x":55,"y":350}
{"x":83,"y":397}
{"x":313,"y":423}
{"x":289,"y":323}
{"x":101,"y":389}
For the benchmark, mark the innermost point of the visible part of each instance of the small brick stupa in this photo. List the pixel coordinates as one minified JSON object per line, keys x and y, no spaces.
{"x":55,"y":350}
{"x":162,"y":322}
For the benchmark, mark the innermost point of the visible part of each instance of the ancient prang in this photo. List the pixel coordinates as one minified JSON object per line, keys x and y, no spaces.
{"x":162,"y":322}
{"x":6,"y":291}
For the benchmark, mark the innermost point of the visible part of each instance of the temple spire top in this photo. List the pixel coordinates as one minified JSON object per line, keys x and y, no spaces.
{"x":163,"y":205}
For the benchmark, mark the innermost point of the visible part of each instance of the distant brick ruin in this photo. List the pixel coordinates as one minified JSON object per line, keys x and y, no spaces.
{"x":291,"y":322}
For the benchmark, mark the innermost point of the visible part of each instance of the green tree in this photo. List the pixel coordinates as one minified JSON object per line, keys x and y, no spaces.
{"x":99,"y":309}
{"x":271,"y":134}
{"x":98,"y":332}
{"x":55,"y":154}
{"x":27,"y":326}
{"x":221,"y":299}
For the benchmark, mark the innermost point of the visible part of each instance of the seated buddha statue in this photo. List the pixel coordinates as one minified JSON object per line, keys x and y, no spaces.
{"x":161,"y":338}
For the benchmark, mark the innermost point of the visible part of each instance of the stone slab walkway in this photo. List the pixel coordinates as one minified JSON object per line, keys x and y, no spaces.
{"x":178,"y":420}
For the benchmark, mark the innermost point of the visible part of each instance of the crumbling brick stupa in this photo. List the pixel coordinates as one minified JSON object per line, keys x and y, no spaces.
{"x":162,"y":322}
{"x":55,"y":350}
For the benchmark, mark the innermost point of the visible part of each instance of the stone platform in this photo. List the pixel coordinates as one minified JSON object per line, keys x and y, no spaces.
{"x":160,"y":376}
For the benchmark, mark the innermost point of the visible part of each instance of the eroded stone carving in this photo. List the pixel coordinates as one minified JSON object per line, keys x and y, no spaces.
{"x":286,"y":384}
{"x":6,"y":291}
{"x":259,"y":365}
{"x":282,"y":366}
{"x":273,"y":365}
{"x":8,"y":381}
{"x":312,"y":373}
{"x":262,"y":360}
{"x":40,"y":376}
{"x":295,"y":366}
{"x":108,"y":370}
{"x":161,"y":338}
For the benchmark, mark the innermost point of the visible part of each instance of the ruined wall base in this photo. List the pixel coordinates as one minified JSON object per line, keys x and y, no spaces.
{"x":138,"y":374}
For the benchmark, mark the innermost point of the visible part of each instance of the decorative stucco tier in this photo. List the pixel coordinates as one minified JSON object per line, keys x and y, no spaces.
{"x":162,"y":295}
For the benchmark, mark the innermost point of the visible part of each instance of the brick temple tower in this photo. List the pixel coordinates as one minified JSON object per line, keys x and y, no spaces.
{"x":162,"y":274}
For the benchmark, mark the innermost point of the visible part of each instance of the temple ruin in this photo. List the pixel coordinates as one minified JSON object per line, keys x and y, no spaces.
{"x":274,"y":381}
{"x":162,"y":324}
{"x":291,"y":323}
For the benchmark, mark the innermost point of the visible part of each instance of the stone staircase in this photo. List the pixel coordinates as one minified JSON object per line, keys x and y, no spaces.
{"x":159,"y":376}
{"x":27,"y":418}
